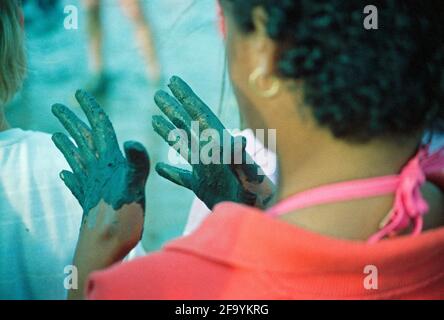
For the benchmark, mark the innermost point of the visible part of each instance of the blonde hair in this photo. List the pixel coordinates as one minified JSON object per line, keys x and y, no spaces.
{"x":12,"y":53}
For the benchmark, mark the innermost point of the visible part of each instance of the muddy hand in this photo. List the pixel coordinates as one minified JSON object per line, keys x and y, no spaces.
{"x":99,"y":169}
{"x":217,"y":181}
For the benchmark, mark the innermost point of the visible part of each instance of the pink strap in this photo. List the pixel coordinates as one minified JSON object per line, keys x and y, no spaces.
{"x":409,"y":205}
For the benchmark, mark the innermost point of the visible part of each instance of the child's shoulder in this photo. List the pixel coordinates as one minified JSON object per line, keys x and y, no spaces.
{"x":39,"y":143}
{"x":37,"y":136}
{"x":32,"y":149}
{"x":17,"y":138}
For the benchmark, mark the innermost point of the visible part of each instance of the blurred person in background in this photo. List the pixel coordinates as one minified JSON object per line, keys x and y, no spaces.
{"x":39,"y":220}
{"x":134,"y":10}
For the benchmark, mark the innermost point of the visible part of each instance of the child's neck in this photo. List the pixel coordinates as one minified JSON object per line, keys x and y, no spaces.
{"x":325,"y":160}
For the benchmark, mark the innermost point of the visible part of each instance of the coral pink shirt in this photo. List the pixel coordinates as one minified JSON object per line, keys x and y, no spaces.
{"x":243,"y":253}
{"x":239,"y":253}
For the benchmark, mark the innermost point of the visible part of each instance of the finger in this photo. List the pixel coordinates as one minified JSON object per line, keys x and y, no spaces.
{"x":252,"y":171}
{"x":102,"y":129}
{"x":169,"y":134}
{"x":71,"y":154}
{"x":194,"y":106}
{"x":138,"y":161}
{"x":73,"y":185}
{"x":173,"y":110}
{"x":78,"y":130}
{"x":238,"y":143}
{"x":139,"y":168}
{"x":179,"y":176}
{"x":242,"y":162}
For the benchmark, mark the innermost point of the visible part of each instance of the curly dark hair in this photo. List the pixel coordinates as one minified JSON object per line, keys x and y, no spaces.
{"x":360,"y":83}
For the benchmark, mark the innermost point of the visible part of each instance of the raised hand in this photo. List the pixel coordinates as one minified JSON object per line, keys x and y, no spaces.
{"x":109,"y":187}
{"x":99,"y":169}
{"x":237,"y":181}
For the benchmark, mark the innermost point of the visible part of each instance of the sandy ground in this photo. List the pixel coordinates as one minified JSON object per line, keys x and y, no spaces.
{"x":189,"y":45}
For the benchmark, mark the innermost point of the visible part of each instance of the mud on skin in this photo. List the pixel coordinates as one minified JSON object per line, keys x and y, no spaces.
{"x":212,"y":183}
{"x":99,"y":169}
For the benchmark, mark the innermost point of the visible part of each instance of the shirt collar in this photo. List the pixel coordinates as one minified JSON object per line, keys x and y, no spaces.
{"x":244,"y":237}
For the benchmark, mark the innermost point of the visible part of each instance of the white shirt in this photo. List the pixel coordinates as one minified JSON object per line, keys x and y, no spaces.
{"x":39,"y":217}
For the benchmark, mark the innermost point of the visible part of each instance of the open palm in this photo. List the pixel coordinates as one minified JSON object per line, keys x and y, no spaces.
{"x":235,"y":177}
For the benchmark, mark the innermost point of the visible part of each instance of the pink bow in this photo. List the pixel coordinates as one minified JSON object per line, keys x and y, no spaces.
{"x":410,"y":206}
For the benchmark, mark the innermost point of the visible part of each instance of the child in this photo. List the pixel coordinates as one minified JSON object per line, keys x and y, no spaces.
{"x":359,"y":208}
{"x":39,"y":220}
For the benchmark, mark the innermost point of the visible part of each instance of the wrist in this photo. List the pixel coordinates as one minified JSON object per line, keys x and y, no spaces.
{"x":105,"y":238}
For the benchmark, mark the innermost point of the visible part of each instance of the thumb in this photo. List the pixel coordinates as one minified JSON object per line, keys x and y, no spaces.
{"x":138,"y":162}
{"x":247,"y":168}
{"x":178,"y":176}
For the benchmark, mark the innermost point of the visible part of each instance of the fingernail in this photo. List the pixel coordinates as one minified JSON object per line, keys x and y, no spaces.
{"x":80,"y":93}
{"x":162,"y":96}
{"x":56,"y":106}
{"x":173,"y":79}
